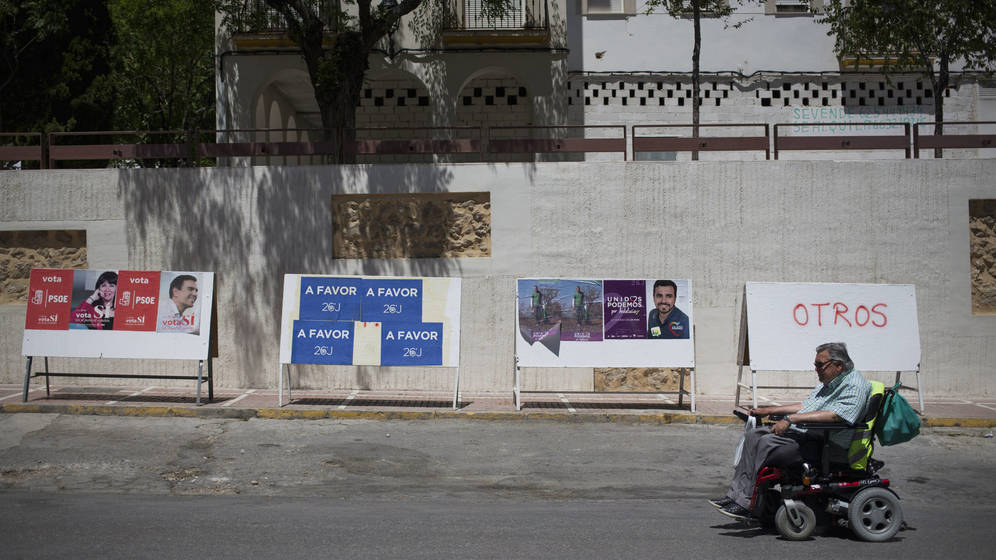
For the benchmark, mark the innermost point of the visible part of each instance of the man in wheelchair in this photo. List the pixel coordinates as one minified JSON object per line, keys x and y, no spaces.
{"x":815,"y":460}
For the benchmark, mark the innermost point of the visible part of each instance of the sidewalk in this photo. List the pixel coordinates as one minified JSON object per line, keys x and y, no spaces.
{"x":570,"y":407}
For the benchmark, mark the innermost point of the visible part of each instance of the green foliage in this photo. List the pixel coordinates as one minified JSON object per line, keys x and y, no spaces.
{"x":684,"y":8}
{"x":915,"y":32}
{"x":162,"y":71}
{"x":52,"y":51}
{"x":95,"y":65}
{"x":253,"y":16}
{"x":916,"y":35}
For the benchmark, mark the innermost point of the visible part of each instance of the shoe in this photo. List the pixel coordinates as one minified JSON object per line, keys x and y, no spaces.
{"x":719,"y":503}
{"x":735,"y":511}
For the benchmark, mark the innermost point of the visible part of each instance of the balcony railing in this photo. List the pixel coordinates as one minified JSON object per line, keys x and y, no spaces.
{"x":466,"y":15}
{"x":257,"y":17}
{"x":474,"y":15}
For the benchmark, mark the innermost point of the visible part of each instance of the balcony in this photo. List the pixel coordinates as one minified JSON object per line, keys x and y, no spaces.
{"x":876,"y":62}
{"x":525,"y":23}
{"x":259,"y":27}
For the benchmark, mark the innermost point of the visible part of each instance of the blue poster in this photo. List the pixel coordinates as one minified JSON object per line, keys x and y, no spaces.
{"x":411,"y":344}
{"x":322,"y":342}
{"x":392,"y":301}
{"x":330,"y":299}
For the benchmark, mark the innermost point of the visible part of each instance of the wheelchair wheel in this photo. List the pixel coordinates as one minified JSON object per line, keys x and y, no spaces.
{"x":874,"y":514}
{"x":799,"y":529}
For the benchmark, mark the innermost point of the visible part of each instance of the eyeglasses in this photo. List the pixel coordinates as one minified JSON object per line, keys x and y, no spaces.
{"x":821,"y":365}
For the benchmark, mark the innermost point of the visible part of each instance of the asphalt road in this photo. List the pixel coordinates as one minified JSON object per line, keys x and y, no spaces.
{"x":113,"y":487}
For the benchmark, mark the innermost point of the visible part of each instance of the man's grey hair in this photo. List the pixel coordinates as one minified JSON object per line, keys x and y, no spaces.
{"x":837,"y":351}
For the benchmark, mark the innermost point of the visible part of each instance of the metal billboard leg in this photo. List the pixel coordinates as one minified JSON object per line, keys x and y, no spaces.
{"x":210,"y":381}
{"x":27,"y":378}
{"x":693,"y":389}
{"x":681,"y":387}
{"x":456,"y":391}
{"x":516,"y":391}
{"x":200,"y":369}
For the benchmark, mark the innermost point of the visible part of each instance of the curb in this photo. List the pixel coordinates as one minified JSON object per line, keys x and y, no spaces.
{"x":325,"y":414}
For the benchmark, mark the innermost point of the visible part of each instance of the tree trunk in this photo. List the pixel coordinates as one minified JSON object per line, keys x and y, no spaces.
{"x":337,"y":72}
{"x":939,"y":85}
{"x":696,"y":49}
{"x":337,"y":76}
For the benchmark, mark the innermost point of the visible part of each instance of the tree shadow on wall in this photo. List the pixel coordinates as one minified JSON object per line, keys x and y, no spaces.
{"x":253,"y":225}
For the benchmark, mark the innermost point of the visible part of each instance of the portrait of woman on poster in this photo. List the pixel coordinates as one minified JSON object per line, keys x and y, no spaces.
{"x":97,"y":310}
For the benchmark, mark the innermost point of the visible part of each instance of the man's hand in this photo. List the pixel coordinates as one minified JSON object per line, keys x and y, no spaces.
{"x":780,"y":427}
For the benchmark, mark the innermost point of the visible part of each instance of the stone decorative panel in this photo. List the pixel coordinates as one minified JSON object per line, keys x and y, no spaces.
{"x":982,"y":223}
{"x":20,"y":251}
{"x":429,"y":225}
{"x":640,"y":380}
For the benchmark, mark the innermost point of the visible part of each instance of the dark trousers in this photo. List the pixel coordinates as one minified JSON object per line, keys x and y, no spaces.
{"x":764,"y":448}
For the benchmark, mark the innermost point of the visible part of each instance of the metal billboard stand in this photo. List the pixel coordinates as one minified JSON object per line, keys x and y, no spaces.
{"x":681,"y":392}
{"x":280,"y":386}
{"x":47,"y":374}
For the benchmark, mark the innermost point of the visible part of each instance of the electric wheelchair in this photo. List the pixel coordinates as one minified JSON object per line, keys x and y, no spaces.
{"x":799,"y":497}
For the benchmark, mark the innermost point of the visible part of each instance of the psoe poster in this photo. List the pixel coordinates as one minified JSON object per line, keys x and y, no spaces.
{"x":367,"y":320}
{"x":574,"y":322}
{"x":119,"y":314}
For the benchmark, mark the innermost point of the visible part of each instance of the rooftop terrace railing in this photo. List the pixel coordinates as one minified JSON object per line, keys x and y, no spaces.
{"x":845,"y":142}
{"x":204,"y":148}
{"x":653,"y":141}
{"x":923,"y":141}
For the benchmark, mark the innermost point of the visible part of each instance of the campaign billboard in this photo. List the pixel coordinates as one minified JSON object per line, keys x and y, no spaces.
{"x":583,"y":322}
{"x":118,"y":314}
{"x":786,"y":321}
{"x":370,"y":320}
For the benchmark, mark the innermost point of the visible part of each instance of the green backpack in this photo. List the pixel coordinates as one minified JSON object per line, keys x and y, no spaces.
{"x":897,"y":422}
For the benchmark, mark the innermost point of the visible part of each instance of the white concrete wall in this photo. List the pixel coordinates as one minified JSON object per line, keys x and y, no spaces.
{"x":658,"y":42}
{"x":717,"y":223}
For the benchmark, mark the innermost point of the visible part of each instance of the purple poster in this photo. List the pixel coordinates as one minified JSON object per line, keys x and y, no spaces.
{"x":625,"y":309}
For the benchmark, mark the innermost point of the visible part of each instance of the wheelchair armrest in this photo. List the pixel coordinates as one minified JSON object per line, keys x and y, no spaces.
{"x":830,"y":426}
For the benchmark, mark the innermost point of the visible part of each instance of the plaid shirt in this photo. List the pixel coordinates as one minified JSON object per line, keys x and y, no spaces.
{"x":846,"y":395}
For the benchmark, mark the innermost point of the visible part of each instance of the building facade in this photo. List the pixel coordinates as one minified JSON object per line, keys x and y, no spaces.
{"x":595,"y":63}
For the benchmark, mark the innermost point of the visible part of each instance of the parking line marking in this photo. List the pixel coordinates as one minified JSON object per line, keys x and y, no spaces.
{"x":348,"y":398}
{"x":135,"y":394}
{"x":564,"y":400}
{"x":238,"y":398}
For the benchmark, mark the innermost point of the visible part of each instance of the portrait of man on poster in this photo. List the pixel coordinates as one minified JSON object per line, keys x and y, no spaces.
{"x":666,"y":321}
